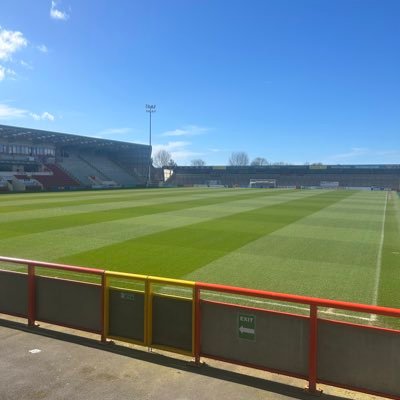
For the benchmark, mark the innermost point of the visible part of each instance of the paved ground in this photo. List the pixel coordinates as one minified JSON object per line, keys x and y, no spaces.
{"x":41,"y":363}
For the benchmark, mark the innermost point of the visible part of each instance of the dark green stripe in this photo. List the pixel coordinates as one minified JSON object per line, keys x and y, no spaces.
{"x":79,"y":202}
{"x":179,"y":251}
{"x":389,"y":285}
{"x":35,"y":225}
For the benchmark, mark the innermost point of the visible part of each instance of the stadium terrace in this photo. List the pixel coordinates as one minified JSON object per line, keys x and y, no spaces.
{"x":36,"y":160}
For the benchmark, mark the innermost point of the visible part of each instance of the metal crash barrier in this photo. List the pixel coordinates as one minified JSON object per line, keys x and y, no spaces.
{"x":190,"y":318}
{"x":136,"y":313}
{"x":37,"y":296}
{"x":352,"y":356}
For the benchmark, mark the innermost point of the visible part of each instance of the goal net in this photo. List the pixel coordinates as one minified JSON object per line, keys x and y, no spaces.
{"x":329,"y":184}
{"x":262,"y":183}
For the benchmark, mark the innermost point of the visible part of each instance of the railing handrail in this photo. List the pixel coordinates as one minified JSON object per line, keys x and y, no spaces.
{"x":72,"y":268}
{"x":292,"y":298}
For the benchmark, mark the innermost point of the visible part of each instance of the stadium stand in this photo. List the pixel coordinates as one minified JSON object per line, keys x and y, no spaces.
{"x":35,"y":160}
{"x":78,"y":168}
{"x":44,"y":160}
{"x":57,"y":178}
{"x":23,"y":183}
{"x":109,"y":169}
{"x":344,"y":176}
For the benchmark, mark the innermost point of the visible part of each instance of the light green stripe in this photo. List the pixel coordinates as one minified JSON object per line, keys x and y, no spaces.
{"x":308,"y":257}
{"x":62,"y":242}
{"x":77,"y":209}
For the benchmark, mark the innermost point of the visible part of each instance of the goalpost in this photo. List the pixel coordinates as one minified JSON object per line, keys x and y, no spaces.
{"x":262,"y":183}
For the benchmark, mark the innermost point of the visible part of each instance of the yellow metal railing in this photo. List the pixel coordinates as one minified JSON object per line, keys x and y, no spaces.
{"x":169,"y":282}
{"x":148,"y":292}
{"x":107,"y":287}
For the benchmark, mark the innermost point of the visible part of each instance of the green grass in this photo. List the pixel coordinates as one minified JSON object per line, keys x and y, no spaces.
{"x":390,"y":274}
{"x":317,"y":243}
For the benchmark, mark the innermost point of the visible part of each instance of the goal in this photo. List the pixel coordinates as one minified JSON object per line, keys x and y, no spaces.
{"x":262,"y":183}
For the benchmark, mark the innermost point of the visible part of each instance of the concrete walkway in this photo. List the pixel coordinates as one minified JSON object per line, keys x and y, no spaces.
{"x":41,"y":363}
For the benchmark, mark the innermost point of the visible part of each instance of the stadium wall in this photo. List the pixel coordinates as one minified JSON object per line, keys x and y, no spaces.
{"x":372,"y":176}
{"x":133,"y":308}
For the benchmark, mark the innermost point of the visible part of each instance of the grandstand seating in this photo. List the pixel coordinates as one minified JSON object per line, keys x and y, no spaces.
{"x":22,"y":183}
{"x":5,"y":186}
{"x":80,"y":169}
{"x":60,"y":160}
{"x":57,"y":179}
{"x":109,"y":169}
{"x":289,"y":176}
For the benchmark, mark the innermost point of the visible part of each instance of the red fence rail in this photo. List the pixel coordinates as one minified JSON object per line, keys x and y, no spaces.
{"x":31,"y":266}
{"x":314,"y":304}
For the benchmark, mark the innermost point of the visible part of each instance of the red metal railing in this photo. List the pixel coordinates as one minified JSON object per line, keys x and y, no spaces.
{"x":313,"y":304}
{"x":31,"y":265}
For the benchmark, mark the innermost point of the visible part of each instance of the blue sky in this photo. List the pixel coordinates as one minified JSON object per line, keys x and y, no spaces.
{"x":289,"y":80}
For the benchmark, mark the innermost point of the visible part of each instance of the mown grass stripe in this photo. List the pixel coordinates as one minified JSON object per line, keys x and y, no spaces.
{"x":309,"y":259}
{"x":38,"y":204}
{"x":389,"y":286}
{"x":35,"y":225}
{"x":177,"y":252}
{"x":50,"y":245}
{"x":379,"y":255}
{"x":23,"y":196}
{"x":84,"y":208}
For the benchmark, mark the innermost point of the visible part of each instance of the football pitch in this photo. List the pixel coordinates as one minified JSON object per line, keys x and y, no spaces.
{"x":336,"y":244}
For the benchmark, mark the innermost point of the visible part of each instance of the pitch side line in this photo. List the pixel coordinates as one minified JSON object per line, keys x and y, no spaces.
{"x":272,"y":303}
{"x":379,"y":259}
{"x":329,"y":311}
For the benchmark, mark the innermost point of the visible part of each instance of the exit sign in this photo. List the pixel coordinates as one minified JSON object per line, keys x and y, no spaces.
{"x":247,"y":326}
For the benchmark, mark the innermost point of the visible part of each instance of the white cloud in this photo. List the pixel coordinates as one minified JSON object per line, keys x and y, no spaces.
{"x":42,"y":48}
{"x":7,"y":72}
{"x":26,"y":64}
{"x":10,"y":42}
{"x":41,"y":117}
{"x":56,"y":13}
{"x":189,"y":130}
{"x":8,"y":112}
{"x":179,"y":150}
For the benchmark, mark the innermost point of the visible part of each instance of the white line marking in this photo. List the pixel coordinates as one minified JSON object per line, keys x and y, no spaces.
{"x":329,"y":311}
{"x":379,"y":259}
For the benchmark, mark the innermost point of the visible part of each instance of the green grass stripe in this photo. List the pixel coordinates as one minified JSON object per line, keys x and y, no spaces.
{"x":309,"y":258}
{"x":25,"y":196}
{"x":177,"y":252}
{"x":389,"y":288}
{"x":11,"y":229}
{"x":100,"y":206}
{"x":37,"y":204}
{"x":50,"y":245}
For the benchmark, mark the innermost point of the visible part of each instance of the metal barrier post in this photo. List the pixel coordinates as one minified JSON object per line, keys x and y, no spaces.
{"x":197,"y":331}
{"x":31,"y":295}
{"x":149,"y":314}
{"x":104,"y":308}
{"x":312,"y":365}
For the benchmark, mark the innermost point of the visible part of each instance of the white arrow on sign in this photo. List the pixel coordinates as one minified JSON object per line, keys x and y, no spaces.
{"x":242,"y":329}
